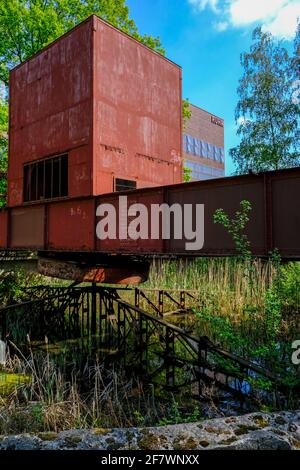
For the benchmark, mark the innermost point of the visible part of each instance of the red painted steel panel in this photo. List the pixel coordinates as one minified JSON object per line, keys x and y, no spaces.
{"x":226,"y":195}
{"x":137,"y":111}
{"x":3,"y":228}
{"x":71,"y":225}
{"x":145,"y":197}
{"x":286,"y":214}
{"x":274,"y":219}
{"x":15,"y":191}
{"x":51,"y":106}
{"x":27,"y":227}
{"x":80,"y":172}
{"x":117,"y":245}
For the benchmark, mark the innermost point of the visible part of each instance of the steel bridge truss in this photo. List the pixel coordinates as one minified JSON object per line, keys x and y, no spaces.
{"x":131,"y":322}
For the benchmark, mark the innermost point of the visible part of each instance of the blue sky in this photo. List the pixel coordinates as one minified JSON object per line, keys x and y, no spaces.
{"x":206,"y":37}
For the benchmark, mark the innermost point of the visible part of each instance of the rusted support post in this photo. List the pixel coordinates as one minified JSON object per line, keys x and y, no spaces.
{"x":161,"y":302}
{"x":94,"y":308}
{"x":199,"y":371}
{"x":119,"y":333}
{"x":137,"y":297}
{"x":182,"y":300}
{"x":143,"y":341}
{"x":169,"y":357}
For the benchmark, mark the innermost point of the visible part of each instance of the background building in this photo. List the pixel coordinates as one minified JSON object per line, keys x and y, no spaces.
{"x":203,"y":145}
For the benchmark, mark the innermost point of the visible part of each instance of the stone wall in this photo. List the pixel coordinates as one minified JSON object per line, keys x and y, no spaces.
{"x":256,"y":431}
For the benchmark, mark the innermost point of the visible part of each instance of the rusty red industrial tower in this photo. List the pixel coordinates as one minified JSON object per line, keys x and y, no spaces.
{"x":106,"y":105}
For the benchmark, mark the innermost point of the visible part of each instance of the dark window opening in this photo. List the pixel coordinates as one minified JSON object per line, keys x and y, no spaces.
{"x":46,"y":179}
{"x":124,"y":185}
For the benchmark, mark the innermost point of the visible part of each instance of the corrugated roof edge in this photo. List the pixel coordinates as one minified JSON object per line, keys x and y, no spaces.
{"x":207,"y":112}
{"x":89,"y":18}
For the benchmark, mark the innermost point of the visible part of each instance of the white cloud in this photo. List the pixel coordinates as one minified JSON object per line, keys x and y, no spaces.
{"x":285,"y":23}
{"x":243,"y":12}
{"x":221,"y":26}
{"x":202,"y":4}
{"x":277,"y":16}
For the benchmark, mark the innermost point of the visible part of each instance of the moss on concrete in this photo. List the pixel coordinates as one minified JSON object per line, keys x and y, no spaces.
{"x":260,"y":421}
{"x":48,"y":436}
{"x":244,"y":429}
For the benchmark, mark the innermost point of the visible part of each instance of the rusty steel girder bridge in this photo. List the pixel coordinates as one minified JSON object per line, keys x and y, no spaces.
{"x":130,"y":325}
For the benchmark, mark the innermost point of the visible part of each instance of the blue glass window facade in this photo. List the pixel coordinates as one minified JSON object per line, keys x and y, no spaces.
{"x":199,"y":171}
{"x":202,"y":149}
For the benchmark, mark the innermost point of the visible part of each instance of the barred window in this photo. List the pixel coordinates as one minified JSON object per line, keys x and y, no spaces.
{"x":124,"y":185}
{"x":46,"y":179}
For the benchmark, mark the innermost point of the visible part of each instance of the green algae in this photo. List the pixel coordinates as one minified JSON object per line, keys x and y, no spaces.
{"x":9,"y":382}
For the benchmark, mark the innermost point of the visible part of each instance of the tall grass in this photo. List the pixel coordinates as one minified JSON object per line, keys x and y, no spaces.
{"x":251,"y":309}
{"x":225,"y":282}
{"x":92,"y":398}
{"x":219,"y":281}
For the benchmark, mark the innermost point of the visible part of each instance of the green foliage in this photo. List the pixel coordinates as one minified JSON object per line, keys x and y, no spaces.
{"x":12,"y":285}
{"x":236,"y":226}
{"x":37,"y":415}
{"x":260,"y":383}
{"x":290,"y":287}
{"x":267,"y":116}
{"x":3,"y":149}
{"x":272,"y":312}
{"x":186,"y":111}
{"x":176,"y":416}
{"x":223,"y":329}
{"x":186,"y":115}
{"x":140,"y":419}
{"x":9,"y":382}
{"x":3,"y":142}
{"x":186,"y":174}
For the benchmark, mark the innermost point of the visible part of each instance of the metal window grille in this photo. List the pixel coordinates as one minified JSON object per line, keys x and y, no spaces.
{"x":46,"y":179}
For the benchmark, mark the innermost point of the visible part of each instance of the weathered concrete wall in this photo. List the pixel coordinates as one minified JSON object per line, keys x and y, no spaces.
{"x":257,"y":431}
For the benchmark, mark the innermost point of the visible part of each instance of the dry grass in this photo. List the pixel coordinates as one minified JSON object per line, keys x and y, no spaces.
{"x":91,"y":398}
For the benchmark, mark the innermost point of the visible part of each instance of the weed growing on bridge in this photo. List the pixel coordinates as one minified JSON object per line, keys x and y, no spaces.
{"x":235,"y":227}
